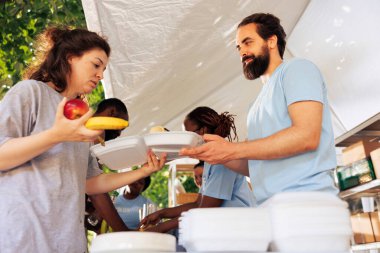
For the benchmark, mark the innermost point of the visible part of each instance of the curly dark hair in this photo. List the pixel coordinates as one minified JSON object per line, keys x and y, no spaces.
{"x":267,"y":25}
{"x":52,"y":49}
{"x":220,"y":124}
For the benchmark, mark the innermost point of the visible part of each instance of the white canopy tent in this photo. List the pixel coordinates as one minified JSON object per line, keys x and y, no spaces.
{"x":169,"y":57}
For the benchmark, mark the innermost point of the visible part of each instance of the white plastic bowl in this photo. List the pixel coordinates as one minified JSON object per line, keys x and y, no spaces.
{"x":123,"y":242}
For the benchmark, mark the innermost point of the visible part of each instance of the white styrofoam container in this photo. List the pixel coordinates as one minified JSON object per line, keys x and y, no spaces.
{"x":120,"y":242}
{"x":225,"y":230}
{"x":125,"y":152}
{"x":317,"y":243}
{"x":309,"y":215}
{"x":312,"y":198}
{"x":122,"y":152}
{"x":172,"y":142}
{"x":309,"y":222}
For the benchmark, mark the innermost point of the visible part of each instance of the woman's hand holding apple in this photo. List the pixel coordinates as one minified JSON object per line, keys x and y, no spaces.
{"x":73,"y":129}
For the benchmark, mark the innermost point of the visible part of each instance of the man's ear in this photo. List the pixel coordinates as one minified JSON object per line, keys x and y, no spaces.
{"x":272,"y":41}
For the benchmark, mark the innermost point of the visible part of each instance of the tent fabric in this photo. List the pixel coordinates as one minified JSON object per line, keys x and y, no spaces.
{"x":169,"y":57}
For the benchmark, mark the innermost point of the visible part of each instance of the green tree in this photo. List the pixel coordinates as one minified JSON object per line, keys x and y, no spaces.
{"x":158,"y":189}
{"x":21,"y":21}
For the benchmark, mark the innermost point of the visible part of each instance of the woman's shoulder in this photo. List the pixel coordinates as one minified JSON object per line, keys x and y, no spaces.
{"x":28,"y":86}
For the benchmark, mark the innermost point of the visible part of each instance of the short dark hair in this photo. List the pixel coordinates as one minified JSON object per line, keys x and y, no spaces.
{"x":54,"y":46}
{"x":267,"y":25}
{"x":113,"y":103}
{"x":147,"y":183}
{"x":200,"y":164}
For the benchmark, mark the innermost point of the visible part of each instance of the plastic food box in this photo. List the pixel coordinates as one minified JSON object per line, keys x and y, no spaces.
{"x":119,"y":242}
{"x":232,"y":229}
{"x":125,"y":152}
{"x":356,"y":173}
{"x":309,"y":222}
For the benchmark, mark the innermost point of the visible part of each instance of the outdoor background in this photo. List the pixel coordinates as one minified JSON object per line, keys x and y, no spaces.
{"x":20,"y":22}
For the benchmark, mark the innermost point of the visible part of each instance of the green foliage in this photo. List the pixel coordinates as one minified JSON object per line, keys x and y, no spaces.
{"x":188,"y":183}
{"x":96,"y":96}
{"x":107,"y":170}
{"x":21,"y":21}
{"x":158,"y":189}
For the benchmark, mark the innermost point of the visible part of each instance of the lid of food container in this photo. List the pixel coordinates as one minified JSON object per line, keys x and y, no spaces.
{"x":133,"y":241}
{"x":122,"y":152}
{"x":172,"y":142}
{"x":304,"y":198}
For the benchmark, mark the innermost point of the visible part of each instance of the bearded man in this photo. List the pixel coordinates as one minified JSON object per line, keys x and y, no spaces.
{"x":290,"y":143}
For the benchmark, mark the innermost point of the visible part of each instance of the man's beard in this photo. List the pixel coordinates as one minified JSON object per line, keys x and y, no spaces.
{"x":257,"y":66}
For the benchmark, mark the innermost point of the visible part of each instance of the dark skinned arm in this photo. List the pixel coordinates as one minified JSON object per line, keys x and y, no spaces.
{"x":164,"y":226}
{"x":103,"y":204}
{"x":169,"y":213}
{"x":202,"y":202}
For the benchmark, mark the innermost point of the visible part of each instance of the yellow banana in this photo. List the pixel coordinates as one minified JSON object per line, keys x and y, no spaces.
{"x":106,"y":123}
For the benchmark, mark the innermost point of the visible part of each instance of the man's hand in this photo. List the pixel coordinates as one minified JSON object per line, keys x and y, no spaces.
{"x":216,"y":150}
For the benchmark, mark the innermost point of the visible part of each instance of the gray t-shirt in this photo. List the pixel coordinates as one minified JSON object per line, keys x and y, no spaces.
{"x":42,"y":201}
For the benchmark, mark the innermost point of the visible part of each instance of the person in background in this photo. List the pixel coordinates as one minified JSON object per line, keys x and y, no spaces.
{"x":198,"y":172}
{"x":290,"y":143}
{"x":100,"y":206}
{"x":221,"y":187}
{"x":45,"y":162}
{"x":129,"y":203}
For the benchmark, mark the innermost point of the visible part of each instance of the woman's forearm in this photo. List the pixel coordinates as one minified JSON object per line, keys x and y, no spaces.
{"x":17,"y":151}
{"x":109,"y":182}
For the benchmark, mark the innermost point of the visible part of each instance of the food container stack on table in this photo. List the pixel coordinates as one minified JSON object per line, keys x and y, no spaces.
{"x":288,"y":222}
{"x":309,"y":222}
{"x":225,"y":230}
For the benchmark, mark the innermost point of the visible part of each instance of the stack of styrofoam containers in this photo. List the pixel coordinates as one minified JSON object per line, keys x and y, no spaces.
{"x":309,"y":222}
{"x":225,"y":230}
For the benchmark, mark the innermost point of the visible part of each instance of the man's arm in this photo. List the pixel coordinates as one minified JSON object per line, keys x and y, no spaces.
{"x":302,"y":136}
{"x":104,"y":205}
{"x":240,"y":166}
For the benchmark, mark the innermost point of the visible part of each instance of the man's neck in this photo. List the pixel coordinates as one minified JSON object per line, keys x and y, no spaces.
{"x":273,"y":64}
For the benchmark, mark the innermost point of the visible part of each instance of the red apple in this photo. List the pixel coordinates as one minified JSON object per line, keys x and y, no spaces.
{"x":75,"y":108}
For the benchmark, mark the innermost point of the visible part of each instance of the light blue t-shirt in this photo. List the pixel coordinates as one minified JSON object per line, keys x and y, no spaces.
{"x":222,"y":183}
{"x":294,"y":80}
{"x":128,"y":209}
